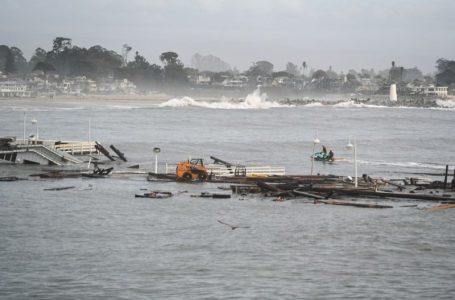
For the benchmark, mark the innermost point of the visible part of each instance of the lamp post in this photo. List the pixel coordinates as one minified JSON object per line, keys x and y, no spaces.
{"x":156,"y":150}
{"x":350,"y":146}
{"x":315,"y":141}
{"x":35,"y":122}
{"x":89,"y":136}
{"x":25,"y":119}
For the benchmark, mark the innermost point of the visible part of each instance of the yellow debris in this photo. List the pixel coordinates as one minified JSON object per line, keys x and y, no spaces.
{"x":440,"y":207}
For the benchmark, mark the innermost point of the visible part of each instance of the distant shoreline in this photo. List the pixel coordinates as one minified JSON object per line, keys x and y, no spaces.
{"x":154,"y":98}
{"x":162,"y":97}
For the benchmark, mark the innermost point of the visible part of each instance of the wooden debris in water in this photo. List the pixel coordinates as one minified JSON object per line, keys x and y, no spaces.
{"x":60,"y":188}
{"x":348,"y":203}
{"x":155,"y":194}
{"x":440,"y":207}
{"x":210,"y":195}
{"x":233,"y":227}
{"x":103,"y":150}
{"x":120,"y":154}
{"x":10,"y":178}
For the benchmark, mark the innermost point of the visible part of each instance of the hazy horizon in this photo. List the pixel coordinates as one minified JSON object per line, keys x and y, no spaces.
{"x":343,"y":34}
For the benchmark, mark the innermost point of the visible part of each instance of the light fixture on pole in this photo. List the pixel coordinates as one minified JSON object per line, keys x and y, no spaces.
{"x":315,"y":142}
{"x":35,"y":122}
{"x":351,"y":146}
{"x":156,"y":150}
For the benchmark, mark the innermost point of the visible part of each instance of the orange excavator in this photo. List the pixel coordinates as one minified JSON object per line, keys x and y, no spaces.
{"x":193,"y":169}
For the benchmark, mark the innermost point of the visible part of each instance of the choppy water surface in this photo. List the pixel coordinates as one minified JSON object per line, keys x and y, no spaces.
{"x":98,"y":241}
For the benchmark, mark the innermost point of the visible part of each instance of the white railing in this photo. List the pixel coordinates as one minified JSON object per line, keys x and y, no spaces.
{"x":78,"y":148}
{"x":170,"y":168}
{"x":72,"y":147}
{"x":53,"y":155}
{"x":223,"y":171}
{"x":62,"y":154}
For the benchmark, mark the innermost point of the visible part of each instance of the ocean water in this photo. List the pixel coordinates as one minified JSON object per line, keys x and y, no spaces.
{"x":97,"y":241}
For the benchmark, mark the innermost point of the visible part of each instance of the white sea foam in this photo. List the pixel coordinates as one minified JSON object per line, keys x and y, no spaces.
{"x":255,"y":100}
{"x":314,"y":104}
{"x":352,"y":104}
{"x":409,"y":164}
{"x":347,"y":104}
{"x":446,"y":104}
{"x":124,"y":107}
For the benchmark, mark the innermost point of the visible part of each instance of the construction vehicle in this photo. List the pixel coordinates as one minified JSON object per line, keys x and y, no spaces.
{"x":193,"y":169}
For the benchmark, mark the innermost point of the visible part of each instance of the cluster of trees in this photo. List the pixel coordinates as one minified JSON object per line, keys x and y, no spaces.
{"x":266,"y":69}
{"x":95,"y":62}
{"x":446,"y":72}
{"x":12,"y":60}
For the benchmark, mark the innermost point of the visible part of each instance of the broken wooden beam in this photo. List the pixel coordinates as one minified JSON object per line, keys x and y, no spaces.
{"x":363,"y":192}
{"x":275,"y":191}
{"x":210,"y":195}
{"x":309,"y":195}
{"x":10,"y":178}
{"x":60,"y":188}
{"x":440,"y":207}
{"x":400,"y":187}
{"x":268,"y":187}
{"x":120,"y":154}
{"x":348,"y":203}
{"x":103,"y":150}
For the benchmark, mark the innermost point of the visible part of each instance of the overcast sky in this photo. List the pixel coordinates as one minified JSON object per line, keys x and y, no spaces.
{"x":343,"y":34}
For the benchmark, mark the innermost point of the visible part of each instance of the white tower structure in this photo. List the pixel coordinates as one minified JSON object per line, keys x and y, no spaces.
{"x":393,"y":92}
{"x":125,"y":50}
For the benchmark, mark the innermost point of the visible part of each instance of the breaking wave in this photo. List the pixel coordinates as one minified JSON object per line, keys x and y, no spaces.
{"x":352,"y":104}
{"x":314,"y":104}
{"x":404,"y":164}
{"x":255,"y":100}
{"x":446,"y":103}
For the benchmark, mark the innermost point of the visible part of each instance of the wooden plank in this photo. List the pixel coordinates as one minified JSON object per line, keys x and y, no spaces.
{"x":347,"y":203}
{"x":440,"y":207}
{"x":120,"y":154}
{"x":307,"y":194}
{"x":363,"y":192}
{"x":103,"y":150}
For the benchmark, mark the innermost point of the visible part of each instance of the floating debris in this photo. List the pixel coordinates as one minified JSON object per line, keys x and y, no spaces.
{"x":60,"y":188}
{"x":103,"y":150}
{"x":11,"y":178}
{"x":155,"y":194}
{"x":346,"y":203}
{"x":440,"y":207}
{"x":98,"y":172}
{"x":210,"y":195}
{"x":120,"y":154}
{"x":233,"y":227}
